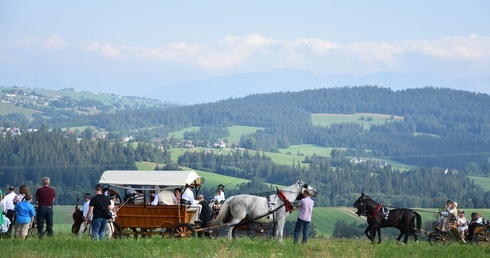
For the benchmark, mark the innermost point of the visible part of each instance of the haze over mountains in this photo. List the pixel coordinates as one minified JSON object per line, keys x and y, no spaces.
{"x":286,"y":79}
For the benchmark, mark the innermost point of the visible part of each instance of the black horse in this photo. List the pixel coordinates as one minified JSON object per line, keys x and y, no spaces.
{"x":379,"y":217}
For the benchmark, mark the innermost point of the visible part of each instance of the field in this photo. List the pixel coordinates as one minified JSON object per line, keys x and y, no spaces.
{"x":329,"y":119}
{"x":69,"y":246}
{"x":483,"y":182}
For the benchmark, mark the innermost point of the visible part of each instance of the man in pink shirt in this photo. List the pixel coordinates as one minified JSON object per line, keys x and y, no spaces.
{"x":305,"y":206}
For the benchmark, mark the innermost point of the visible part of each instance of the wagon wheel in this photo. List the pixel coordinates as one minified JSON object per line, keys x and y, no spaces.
{"x":257,"y":230}
{"x":483,"y":238}
{"x":440,"y":237}
{"x":241,"y":231}
{"x":210,"y":233}
{"x":182,"y":230}
{"x":125,"y":232}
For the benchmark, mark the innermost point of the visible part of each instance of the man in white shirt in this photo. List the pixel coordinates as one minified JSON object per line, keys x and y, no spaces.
{"x":8,"y":203}
{"x":188,"y":195}
{"x":219,"y":196}
{"x":85,"y":208}
{"x":8,"y":200}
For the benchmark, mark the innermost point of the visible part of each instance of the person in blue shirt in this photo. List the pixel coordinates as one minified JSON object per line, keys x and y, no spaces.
{"x":24,"y":216}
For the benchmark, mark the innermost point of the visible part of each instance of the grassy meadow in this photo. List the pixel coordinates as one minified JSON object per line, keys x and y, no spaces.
{"x":65,"y":245}
{"x":329,"y":119}
{"x":483,"y":182}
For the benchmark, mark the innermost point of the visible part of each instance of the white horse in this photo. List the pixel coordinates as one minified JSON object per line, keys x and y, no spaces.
{"x":257,"y":209}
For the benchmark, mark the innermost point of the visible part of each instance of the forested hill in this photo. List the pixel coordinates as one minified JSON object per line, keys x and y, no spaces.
{"x":440,"y":127}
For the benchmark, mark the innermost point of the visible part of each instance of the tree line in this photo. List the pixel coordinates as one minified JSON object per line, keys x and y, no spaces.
{"x":440,"y":127}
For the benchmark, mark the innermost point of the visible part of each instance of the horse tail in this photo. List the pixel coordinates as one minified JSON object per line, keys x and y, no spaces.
{"x":419,"y":221}
{"x":223,"y":212}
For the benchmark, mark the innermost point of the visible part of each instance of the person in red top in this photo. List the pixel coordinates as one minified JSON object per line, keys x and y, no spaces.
{"x":45,"y":199}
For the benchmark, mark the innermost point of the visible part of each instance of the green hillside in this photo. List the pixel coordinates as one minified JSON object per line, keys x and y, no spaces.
{"x":366,"y":119}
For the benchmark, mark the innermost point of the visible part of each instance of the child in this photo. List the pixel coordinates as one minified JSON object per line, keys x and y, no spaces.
{"x":24,"y":216}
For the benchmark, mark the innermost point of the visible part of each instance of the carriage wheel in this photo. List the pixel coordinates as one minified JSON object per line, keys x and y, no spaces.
{"x":210,"y":233}
{"x":239,"y":232}
{"x":483,"y":238}
{"x":257,"y":230}
{"x":440,"y":237}
{"x":182,"y":230}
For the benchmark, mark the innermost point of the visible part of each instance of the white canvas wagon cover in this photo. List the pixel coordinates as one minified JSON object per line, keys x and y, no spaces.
{"x":123,"y":178}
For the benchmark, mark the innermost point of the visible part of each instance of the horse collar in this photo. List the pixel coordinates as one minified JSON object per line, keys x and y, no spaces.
{"x":287,"y":203}
{"x":375,"y":211}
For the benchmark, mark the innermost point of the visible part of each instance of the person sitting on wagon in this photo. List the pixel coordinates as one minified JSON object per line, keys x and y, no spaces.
{"x":176,"y":196}
{"x":476,"y":221}
{"x":188,"y":196}
{"x":205,"y":215}
{"x":219,"y":197}
{"x":450,"y":211}
{"x":153,"y":198}
{"x":462,"y":225}
{"x":139,"y":197}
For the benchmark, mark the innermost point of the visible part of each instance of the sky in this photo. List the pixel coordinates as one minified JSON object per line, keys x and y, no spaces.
{"x":133,"y":47}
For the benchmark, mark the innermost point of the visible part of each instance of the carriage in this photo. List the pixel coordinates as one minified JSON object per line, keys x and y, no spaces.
{"x":166,"y":219}
{"x":180,"y":220}
{"x":481,"y":234}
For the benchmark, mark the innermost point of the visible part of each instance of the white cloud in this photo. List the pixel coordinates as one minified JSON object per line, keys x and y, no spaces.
{"x":53,"y":43}
{"x":254,"y":51}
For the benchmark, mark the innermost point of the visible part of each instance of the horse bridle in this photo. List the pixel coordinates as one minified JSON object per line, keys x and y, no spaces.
{"x":359,"y":204}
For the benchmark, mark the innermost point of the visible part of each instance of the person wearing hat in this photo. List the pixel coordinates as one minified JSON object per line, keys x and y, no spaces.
{"x":83,"y":226}
{"x":8,"y":203}
{"x":188,"y":196}
{"x":219,"y":197}
{"x":450,"y":211}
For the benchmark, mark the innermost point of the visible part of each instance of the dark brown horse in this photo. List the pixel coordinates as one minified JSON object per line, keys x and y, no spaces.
{"x":379,"y":217}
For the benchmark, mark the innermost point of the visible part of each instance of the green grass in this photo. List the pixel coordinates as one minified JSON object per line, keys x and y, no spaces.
{"x":324,"y":218}
{"x":180,"y":134}
{"x":307,"y":150}
{"x":329,"y":119}
{"x":70,"y":246}
{"x":237,"y":131}
{"x":7,"y":108}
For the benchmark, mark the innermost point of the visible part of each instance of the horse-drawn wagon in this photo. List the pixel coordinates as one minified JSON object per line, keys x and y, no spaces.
{"x":166,"y":218}
{"x":481,"y":234}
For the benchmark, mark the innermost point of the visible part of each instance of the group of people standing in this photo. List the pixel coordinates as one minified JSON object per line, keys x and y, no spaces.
{"x":18,"y":209}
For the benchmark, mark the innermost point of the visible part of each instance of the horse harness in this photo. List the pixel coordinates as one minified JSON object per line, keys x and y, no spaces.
{"x":384,"y":212}
{"x":285,"y":202}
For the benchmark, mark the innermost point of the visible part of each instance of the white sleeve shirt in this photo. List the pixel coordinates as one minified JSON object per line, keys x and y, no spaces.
{"x":189,"y":196}
{"x":8,"y":201}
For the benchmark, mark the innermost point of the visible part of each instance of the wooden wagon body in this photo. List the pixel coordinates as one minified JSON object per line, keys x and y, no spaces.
{"x":167,"y":218}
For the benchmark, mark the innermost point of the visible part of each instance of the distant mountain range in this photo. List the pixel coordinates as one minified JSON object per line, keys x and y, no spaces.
{"x":285,"y":79}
